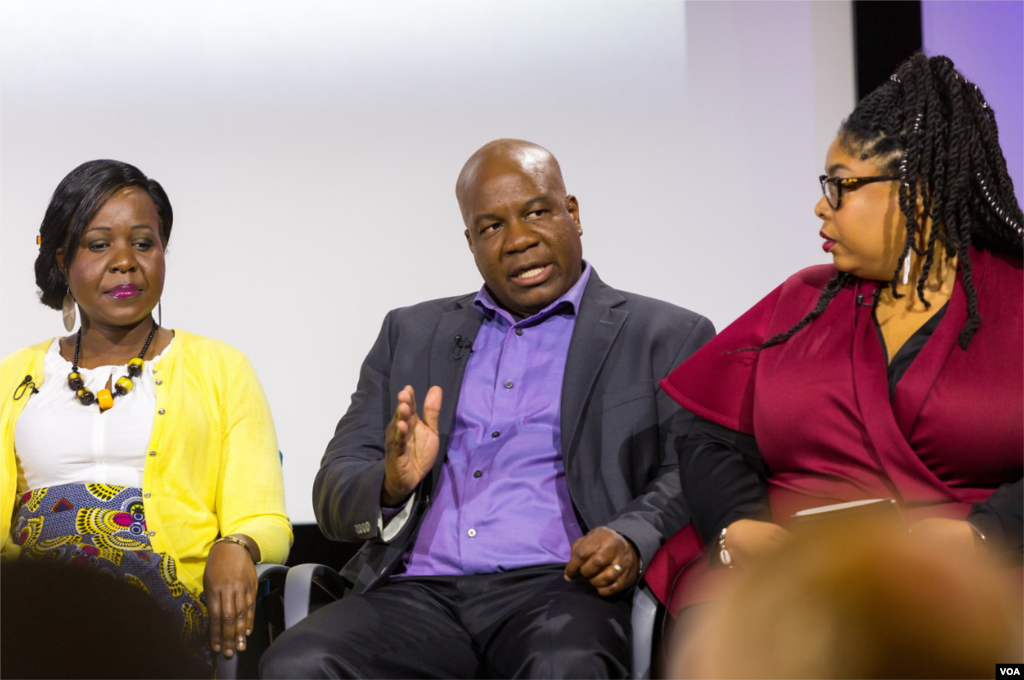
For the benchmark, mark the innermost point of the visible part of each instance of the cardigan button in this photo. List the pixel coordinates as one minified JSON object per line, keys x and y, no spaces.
{"x":159,"y":381}
{"x":152,"y":533}
{"x":152,"y":453}
{"x":161,"y":411}
{"x":147,"y":494}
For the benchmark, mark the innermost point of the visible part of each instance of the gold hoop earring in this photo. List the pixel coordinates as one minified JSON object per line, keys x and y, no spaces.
{"x":68,"y":310}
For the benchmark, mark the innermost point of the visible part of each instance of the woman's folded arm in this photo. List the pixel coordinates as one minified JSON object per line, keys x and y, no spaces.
{"x":724,"y":478}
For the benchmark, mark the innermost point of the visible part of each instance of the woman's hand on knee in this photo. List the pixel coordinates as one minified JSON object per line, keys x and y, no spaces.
{"x":749,"y":541}
{"x":230,"y":586}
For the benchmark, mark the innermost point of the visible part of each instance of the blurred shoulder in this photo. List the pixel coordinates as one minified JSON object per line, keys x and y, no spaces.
{"x":431,"y":309}
{"x":1004,"y":267}
{"x":25,"y":355}
{"x":655,"y":309}
{"x":655,"y":316}
{"x":815,"y":277}
{"x":204,"y":353}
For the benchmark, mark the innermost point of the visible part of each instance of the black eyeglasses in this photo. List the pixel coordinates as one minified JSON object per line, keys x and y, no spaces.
{"x":833,"y":187}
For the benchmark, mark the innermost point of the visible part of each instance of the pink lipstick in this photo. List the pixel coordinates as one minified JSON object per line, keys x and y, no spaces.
{"x":124,"y":291}
{"x":828,"y":244}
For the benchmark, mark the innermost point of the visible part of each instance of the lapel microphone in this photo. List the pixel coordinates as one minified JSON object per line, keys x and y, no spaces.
{"x":870,"y":302}
{"x":460,"y":346}
{"x":26,"y":384}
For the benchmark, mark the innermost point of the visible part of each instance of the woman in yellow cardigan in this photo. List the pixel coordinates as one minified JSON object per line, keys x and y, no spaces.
{"x":147,"y":453}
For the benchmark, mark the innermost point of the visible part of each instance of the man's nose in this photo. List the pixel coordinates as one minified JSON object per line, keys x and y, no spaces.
{"x":520,"y":236}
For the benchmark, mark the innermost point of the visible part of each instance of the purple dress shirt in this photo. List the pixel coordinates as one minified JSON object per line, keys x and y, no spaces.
{"x":502,"y":501}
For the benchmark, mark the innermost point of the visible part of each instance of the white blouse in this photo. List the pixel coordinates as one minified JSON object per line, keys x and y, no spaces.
{"x":57,"y":440}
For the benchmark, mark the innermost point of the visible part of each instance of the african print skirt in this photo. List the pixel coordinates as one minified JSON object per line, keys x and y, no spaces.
{"x":104,"y":527}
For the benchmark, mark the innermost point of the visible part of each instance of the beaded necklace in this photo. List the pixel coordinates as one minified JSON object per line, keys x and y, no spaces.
{"x":123,"y":385}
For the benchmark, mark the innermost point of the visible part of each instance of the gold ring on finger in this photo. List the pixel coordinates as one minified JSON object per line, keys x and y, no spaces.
{"x":617,"y":567}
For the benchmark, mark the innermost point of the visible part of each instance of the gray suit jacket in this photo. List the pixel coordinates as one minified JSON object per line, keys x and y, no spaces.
{"x":619,"y":430}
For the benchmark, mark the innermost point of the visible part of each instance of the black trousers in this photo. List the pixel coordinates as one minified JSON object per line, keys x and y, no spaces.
{"x":527,"y":623}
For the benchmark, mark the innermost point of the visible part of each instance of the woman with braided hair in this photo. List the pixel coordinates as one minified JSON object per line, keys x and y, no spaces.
{"x":897,"y":372}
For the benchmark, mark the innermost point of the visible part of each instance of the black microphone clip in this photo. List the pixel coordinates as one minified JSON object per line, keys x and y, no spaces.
{"x":460,"y":347}
{"x":874,"y":299}
{"x":25,"y":385}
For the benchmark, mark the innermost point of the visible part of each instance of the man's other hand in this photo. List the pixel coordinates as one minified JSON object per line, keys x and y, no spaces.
{"x":410,"y":445}
{"x":606,"y":559}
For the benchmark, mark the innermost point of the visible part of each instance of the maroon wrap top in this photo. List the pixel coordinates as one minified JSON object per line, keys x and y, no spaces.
{"x":819,"y":403}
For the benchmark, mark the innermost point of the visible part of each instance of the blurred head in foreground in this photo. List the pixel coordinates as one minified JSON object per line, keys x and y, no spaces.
{"x":66,"y":621}
{"x":858,"y":602}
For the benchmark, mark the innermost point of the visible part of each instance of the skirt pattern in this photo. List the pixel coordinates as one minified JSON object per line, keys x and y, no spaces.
{"x":104,"y":527}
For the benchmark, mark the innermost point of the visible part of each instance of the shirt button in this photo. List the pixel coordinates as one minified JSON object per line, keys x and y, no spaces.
{"x":152,"y":453}
{"x":495,"y":434}
{"x":147,"y":494}
{"x":159,"y":381}
{"x":519,"y":331}
{"x":508,"y":384}
{"x":478,"y":474}
{"x":471,"y":533}
{"x":161,"y":411}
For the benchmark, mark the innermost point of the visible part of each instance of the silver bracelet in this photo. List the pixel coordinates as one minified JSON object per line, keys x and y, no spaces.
{"x":979,"y":533}
{"x":723,"y":553}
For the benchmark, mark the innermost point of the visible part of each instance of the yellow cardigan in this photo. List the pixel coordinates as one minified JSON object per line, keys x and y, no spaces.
{"x":212,"y":467}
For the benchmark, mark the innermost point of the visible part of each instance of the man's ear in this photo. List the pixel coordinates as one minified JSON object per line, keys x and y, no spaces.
{"x":469,"y":242}
{"x":573,"y":206}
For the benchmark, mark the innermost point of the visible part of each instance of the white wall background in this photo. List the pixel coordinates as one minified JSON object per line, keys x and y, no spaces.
{"x":310,"y":150}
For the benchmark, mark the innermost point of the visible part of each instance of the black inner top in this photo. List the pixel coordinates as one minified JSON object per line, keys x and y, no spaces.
{"x":910,"y":349}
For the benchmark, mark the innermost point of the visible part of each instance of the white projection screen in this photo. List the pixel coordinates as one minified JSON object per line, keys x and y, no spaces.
{"x":310,"y":150}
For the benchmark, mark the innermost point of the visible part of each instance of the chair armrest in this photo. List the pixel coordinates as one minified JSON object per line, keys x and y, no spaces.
{"x":265,"y":571}
{"x":645,"y":614}
{"x":298,"y":589}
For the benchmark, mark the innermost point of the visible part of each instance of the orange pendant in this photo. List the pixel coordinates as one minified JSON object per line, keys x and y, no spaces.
{"x":105,"y":399}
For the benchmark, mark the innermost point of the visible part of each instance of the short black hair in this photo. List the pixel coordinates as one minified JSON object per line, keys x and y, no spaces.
{"x":74,"y":204}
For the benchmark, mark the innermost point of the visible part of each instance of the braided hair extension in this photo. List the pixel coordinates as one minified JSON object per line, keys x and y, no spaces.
{"x":933,"y":128}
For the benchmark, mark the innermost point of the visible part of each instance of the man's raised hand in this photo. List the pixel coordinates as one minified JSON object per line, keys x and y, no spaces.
{"x":410,"y":445}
